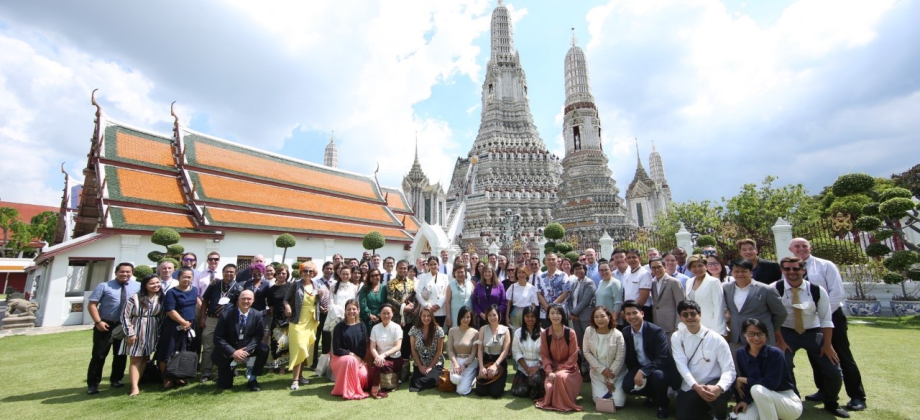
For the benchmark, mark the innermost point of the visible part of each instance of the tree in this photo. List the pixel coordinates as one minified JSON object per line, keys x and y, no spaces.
{"x":754,"y":211}
{"x":909,"y":180}
{"x":285,"y":241}
{"x":168,"y":238}
{"x":44,"y":225}
{"x":702,"y":217}
{"x":8,"y":216}
{"x":373,"y":241}
{"x":887,"y":207}
{"x":553,"y":232}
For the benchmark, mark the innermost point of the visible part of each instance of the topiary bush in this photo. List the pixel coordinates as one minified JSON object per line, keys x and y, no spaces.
{"x":165,"y":237}
{"x":705,"y":240}
{"x":868,"y":223}
{"x":572,"y":256}
{"x":142,"y":271}
{"x":175,"y":249}
{"x":554,"y":231}
{"x":285,"y":241}
{"x":877,"y":250}
{"x":564,"y":248}
{"x":840,"y":251}
{"x":852,"y":184}
{"x":373,"y":241}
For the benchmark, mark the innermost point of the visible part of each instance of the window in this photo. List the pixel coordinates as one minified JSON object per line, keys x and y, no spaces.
{"x":243,"y":262}
{"x":84,"y":275}
{"x":428,"y":211}
{"x":639,"y":216}
{"x":577,"y":136}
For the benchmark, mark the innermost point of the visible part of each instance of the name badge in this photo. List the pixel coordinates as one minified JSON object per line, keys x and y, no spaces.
{"x":223,"y":301}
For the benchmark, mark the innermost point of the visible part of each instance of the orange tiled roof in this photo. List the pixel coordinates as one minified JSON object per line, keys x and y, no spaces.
{"x":144,"y":187}
{"x":139,"y":148}
{"x":28,"y":211}
{"x":412,"y":224}
{"x":396,"y":200}
{"x":212,"y":154}
{"x":138,"y":219}
{"x":250,"y":194}
{"x":234,"y":218}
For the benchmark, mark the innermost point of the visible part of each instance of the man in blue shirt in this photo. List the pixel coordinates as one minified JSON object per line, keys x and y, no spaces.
{"x":106,"y":305}
{"x":591,"y":266}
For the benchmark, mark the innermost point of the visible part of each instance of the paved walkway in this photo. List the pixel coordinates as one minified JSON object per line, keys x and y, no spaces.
{"x":43,"y":330}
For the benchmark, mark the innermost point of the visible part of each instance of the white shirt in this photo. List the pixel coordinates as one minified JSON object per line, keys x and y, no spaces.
{"x":702,"y":358}
{"x":635,"y":280}
{"x":812,"y":316}
{"x":825,"y":274}
{"x":432,"y":291}
{"x":529,"y":349}
{"x":446,"y":268}
{"x":386,"y":337}
{"x":741,"y":294}
{"x":522,"y":296}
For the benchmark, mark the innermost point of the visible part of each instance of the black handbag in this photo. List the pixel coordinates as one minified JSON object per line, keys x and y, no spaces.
{"x":183,"y":364}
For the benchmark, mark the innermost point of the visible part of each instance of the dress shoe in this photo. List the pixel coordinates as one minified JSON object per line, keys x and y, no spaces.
{"x":816,"y":397}
{"x":662,"y":413}
{"x":254,"y":386}
{"x":204,"y":379}
{"x":117,"y":384}
{"x":838,"y":411}
{"x":93,"y":389}
{"x":303,"y":381}
{"x":856,"y":404}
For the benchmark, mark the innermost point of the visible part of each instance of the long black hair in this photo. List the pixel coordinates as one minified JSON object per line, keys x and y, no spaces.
{"x":143,"y":299}
{"x":534,"y":334}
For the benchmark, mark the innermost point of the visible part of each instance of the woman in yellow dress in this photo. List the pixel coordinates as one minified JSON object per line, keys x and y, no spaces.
{"x":302,"y":305}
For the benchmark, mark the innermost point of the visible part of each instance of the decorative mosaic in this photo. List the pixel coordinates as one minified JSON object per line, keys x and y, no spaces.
{"x":225,"y":157}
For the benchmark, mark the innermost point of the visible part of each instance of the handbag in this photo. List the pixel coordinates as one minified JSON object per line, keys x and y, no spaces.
{"x":444,"y":382}
{"x":604,"y":405}
{"x":389,"y":381}
{"x":119,"y":333}
{"x":322,"y":365}
{"x":498,"y":374}
{"x":183,"y":364}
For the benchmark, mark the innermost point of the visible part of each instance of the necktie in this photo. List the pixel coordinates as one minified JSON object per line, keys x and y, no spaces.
{"x":797,"y":312}
{"x":212,"y":276}
{"x":443,"y":268}
{"x":123,"y":301}
{"x":242,"y":323}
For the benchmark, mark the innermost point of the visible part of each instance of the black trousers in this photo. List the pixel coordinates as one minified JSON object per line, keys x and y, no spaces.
{"x":829,"y":373}
{"x":323,"y":337}
{"x":852,"y":379}
{"x":102,"y":343}
{"x":647,"y":313}
{"x":656,"y":386}
{"x":690,"y":406}
{"x":225,"y":373}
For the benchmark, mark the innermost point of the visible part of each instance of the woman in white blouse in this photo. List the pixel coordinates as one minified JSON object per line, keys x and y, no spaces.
{"x":343,"y":291}
{"x":606,"y":352}
{"x":386,"y":341}
{"x":707,"y":292}
{"x":431,"y":291}
{"x":494,"y":349}
{"x":520,"y":295}
{"x":525,"y":349}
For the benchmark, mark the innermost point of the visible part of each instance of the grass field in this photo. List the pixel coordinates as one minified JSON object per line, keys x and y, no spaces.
{"x":44,"y":377}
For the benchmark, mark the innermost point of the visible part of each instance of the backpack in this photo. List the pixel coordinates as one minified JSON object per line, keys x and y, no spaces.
{"x":814,"y":288}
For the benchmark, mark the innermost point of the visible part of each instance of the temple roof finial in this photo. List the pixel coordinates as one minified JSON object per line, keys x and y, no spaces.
{"x":500,"y":2}
{"x":574,"y":40}
{"x":92,"y":98}
{"x":638,"y":158}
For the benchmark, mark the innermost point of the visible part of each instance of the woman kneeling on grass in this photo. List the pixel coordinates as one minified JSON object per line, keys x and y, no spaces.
{"x":494,"y":350}
{"x":559,"y":352}
{"x":349,"y":345}
{"x":386,"y":340}
{"x":764,"y":385}
{"x":427,"y":342}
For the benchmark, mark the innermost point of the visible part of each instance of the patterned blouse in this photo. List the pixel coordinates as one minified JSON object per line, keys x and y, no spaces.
{"x":397,"y":292}
{"x":427,"y":353}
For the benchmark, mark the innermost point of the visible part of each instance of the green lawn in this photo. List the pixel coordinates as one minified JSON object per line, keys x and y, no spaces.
{"x":43,"y":377}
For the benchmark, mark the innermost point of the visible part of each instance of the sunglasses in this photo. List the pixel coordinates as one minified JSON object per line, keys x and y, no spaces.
{"x":189,"y":259}
{"x":309,"y":271}
{"x":213,"y":259}
{"x":792,"y":268}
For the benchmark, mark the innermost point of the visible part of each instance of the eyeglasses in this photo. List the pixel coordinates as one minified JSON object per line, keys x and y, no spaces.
{"x":713,"y":264}
{"x":212,"y":259}
{"x":689,"y":314}
{"x":792,"y":268}
{"x":309,"y":271}
{"x":654,"y":267}
{"x":751,"y":334}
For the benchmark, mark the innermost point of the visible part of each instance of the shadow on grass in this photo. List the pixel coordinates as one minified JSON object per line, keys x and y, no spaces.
{"x":65,"y":395}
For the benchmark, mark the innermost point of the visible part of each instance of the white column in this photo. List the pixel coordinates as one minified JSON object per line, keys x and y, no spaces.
{"x":606,"y":245}
{"x":684,"y":239}
{"x":782,"y":235}
{"x":493,"y":249}
{"x":542,"y":247}
{"x":129,"y":245}
{"x":328,"y":249}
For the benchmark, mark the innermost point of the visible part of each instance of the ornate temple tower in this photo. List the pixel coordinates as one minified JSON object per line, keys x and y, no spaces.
{"x":427,"y":200}
{"x":509,"y":167}
{"x":589,"y":201}
{"x":331,"y":158}
{"x":647,"y":196}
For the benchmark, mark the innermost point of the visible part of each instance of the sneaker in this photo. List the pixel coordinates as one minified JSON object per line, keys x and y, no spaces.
{"x":294,"y":386}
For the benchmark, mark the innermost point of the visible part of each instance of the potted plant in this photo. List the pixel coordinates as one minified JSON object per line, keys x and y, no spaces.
{"x":863,"y":278}
{"x":901,"y":264}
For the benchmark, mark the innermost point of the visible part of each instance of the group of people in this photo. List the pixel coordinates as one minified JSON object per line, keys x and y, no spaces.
{"x":684,"y":327}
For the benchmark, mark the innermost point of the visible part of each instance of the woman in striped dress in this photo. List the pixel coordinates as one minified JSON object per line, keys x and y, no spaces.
{"x":141,"y":319}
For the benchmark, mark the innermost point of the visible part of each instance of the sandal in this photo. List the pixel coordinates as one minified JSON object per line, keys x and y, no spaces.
{"x":167,"y":384}
{"x":294,"y":385}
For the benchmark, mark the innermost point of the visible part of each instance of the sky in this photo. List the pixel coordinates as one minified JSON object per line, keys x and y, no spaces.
{"x":727,"y":91}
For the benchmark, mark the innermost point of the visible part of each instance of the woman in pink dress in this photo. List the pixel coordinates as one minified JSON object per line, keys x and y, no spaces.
{"x":349,"y":345}
{"x":559,"y":352}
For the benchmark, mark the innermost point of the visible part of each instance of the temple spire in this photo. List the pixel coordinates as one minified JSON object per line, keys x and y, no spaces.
{"x":331,"y":158}
{"x":416,"y":146}
{"x":574,"y":40}
{"x":638,"y":158}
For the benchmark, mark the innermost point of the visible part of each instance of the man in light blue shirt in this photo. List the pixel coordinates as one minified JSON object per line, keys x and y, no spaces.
{"x":591,"y":266}
{"x":106,"y":305}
